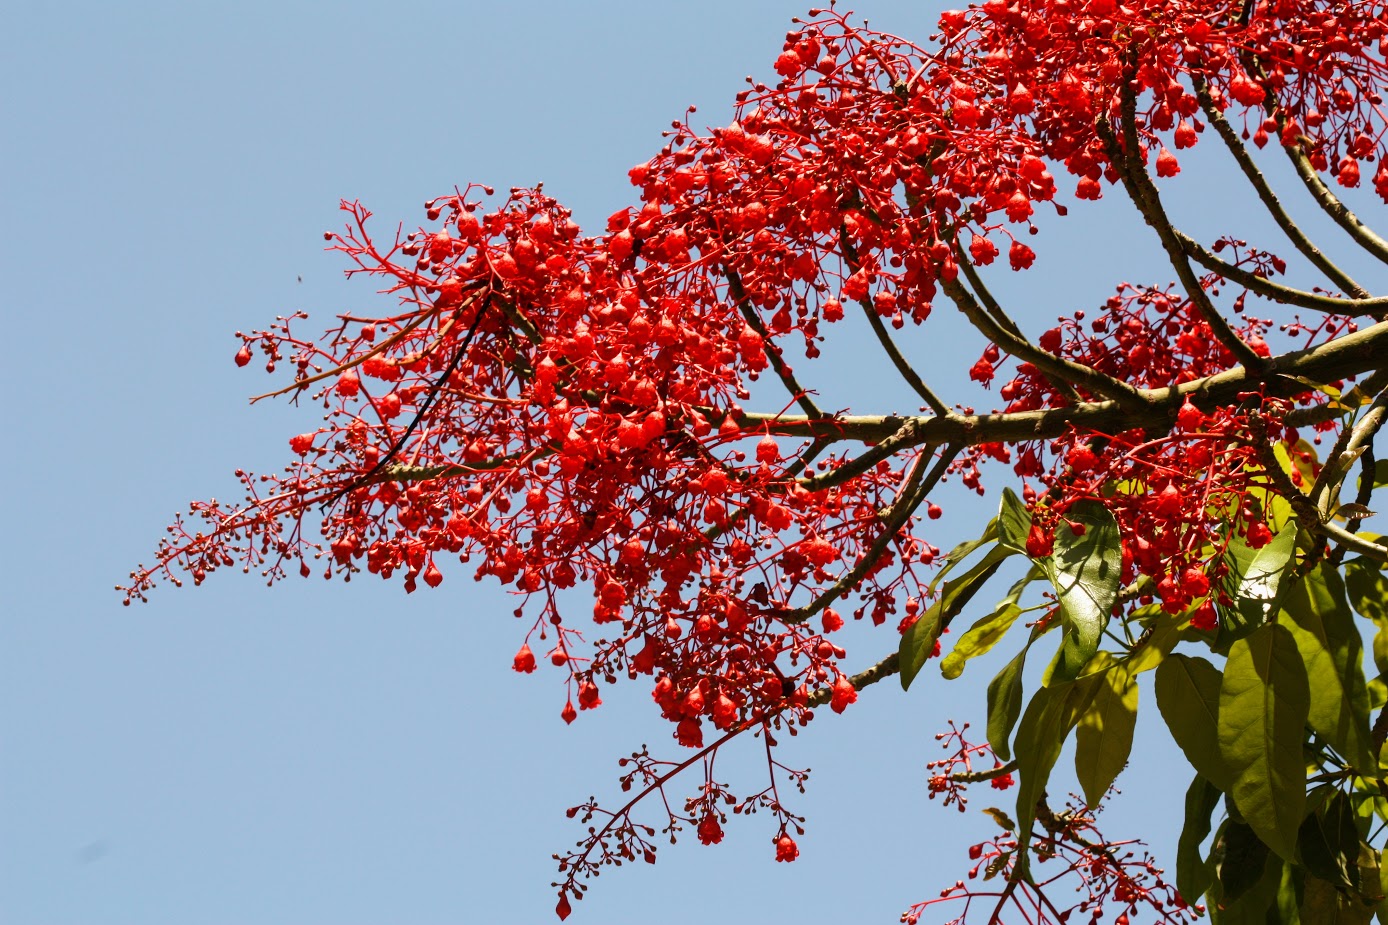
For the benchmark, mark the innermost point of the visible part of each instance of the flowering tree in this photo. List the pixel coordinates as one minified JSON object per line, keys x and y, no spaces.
{"x":563,"y":410}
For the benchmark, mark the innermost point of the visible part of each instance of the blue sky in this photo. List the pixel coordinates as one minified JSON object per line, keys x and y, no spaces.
{"x":345,"y":753}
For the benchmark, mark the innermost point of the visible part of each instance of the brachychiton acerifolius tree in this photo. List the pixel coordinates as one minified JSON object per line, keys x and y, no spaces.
{"x":1180,"y":482}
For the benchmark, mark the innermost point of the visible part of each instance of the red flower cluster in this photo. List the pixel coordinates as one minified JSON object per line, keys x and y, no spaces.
{"x":558,"y":409}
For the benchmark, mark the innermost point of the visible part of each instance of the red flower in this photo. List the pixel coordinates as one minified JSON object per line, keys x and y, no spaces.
{"x":524,"y":661}
{"x":844,"y":694}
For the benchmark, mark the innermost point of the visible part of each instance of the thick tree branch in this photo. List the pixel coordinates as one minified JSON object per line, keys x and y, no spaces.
{"x":1351,"y":355}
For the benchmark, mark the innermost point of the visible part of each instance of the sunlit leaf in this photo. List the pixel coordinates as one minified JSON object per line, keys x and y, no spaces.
{"x":919,"y":640}
{"x":1085,"y":570}
{"x":1254,"y":578}
{"x":1014,"y":522}
{"x":1263,"y":702}
{"x":1104,"y":736}
{"x":987,"y":631}
{"x":1329,"y":643}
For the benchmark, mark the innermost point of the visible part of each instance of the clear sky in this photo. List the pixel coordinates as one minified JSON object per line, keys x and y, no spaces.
{"x":344,"y":753}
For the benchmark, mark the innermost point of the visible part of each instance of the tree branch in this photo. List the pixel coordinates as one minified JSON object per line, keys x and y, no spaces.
{"x":918,"y":485}
{"x":903,"y":366}
{"x":1143,"y":194}
{"x":1269,"y":198}
{"x":1374,"y":307}
{"x":1068,"y":370}
{"x":1001,"y":317}
{"x":884,"y":669}
{"x":1350,"y":355}
{"x":773,"y":350}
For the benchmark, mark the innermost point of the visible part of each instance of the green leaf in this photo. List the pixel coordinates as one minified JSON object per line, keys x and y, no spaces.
{"x":1330,"y":647}
{"x":1303,"y":464}
{"x":1253,"y":906}
{"x":1327,"y":846}
{"x":1255,"y":575}
{"x":1188,"y":697}
{"x":1192,"y":873}
{"x":987,"y":631}
{"x":1289,"y":895}
{"x":979,"y":638}
{"x":1323,"y":903}
{"x":1263,"y":703}
{"x":1367,"y":590}
{"x":1005,"y":705}
{"x":1245,"y":861}
{"x":1046,"y":724}
{"x":1085,"y":570}
{"x":1380,"y":474}
{"x":919,"y":640}
{"x":1163,"y":631}
{"x":1014,"y":522}
{"x":1104,"y":736}
{"x":1003,"y":820}
{"x":961,"y":552}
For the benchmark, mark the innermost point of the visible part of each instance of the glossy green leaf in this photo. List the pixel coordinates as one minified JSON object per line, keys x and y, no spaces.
{"x":987,"y":631}
{"x":1367,"y":587}
{"x":1085,"y":570}
{"x":1263,"y":703}
{"x":979,"y":638}
{"x":1187,"y":690}
{"x":1330,"y":647}
{"x":919,"y":640}
{"x":1254,"y":579}
{"x":1380,"y":473}
{"x":1163,"y":631}
{"x":1104,"y":736}
{"x":1014,"y":522}
{"x":1005,"y":705}
{"x":1192,"y":872}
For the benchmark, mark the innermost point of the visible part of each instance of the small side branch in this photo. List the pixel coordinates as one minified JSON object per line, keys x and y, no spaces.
{"x":918,"y":484}
{"x":1372,"y":307}
{"x":1269,"y":199}
{"x":990,"y":304}
{"x":773,"y":350}
{"x":903,"y":366}
{"x":884,"y":669}
{"x":1059,"y":367}
{"x":1143,"y":194}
